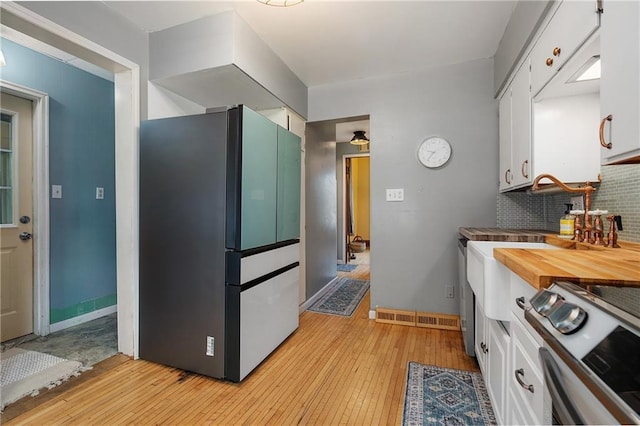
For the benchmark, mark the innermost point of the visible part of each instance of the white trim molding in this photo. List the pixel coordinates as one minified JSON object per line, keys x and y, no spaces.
{"x":313,"y":299}
{"x":41,"y":245}
{"x":81,"y":319}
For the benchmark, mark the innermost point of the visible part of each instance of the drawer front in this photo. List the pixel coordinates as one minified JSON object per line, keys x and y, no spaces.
{"x":525,"y":361}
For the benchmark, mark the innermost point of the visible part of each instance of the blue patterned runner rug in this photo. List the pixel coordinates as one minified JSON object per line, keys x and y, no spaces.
{"x":346,"y":267}
{"x":445,"y":396}
{"x":343,"y":298}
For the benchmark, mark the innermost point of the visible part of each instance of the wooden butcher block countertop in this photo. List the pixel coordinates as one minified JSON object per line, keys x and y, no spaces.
{"x":503,"y":234}
{"x":577,"y":262}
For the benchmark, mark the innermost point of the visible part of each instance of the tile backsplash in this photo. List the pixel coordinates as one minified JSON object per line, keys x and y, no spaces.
{"x":619,"y":193}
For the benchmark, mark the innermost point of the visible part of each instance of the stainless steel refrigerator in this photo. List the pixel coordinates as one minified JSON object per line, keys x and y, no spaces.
{"x":219,"y":241}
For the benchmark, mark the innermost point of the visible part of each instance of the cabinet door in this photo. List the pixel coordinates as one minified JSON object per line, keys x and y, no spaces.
{"x":504,"y":112}
{"x":480,"y":338}
{"x":619,"y":82}
{"x":572,"y":23}
{"x":521,"y":127}
{"x":259,"y":180}
{"x":497,"y":360}
{"x":288,"y":209}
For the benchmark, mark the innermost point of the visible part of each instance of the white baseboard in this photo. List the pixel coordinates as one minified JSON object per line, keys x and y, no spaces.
{"x":372,"y":314}
{"x":82,"y":318}
{"x":307,"y":304}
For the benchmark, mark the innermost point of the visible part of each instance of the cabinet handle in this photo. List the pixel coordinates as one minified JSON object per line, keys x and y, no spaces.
{"x":604,"y":143}
{"x":484,"y":347}
{"x":520,"y":372}
{"x":549,"y":62}
{"x":523,"y":169}
{"x":520,"y":302}
{"x":556,"y":51}
{"x":506,"y":176}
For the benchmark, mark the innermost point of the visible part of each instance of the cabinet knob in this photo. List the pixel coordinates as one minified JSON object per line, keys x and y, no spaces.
{"x":523,"y":169}
{"x":556,"y":51}
{"x":603,"y":142}
{"x":549,"y":62}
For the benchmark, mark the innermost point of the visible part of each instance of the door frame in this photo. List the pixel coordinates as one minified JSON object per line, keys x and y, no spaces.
{"x":40,"y":142}
{"x":127,"y":122}
{"x":343,"y":213}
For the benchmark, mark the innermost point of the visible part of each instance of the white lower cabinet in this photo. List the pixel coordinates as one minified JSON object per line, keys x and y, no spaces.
{"x":492,"y":353}
{"x":498,"y":365}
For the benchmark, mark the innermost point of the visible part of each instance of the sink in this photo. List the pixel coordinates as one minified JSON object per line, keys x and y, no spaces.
{"x":489,"y":279}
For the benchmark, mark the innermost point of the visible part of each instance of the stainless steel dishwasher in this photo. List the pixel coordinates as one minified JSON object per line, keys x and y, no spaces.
{"x":466,"y":300}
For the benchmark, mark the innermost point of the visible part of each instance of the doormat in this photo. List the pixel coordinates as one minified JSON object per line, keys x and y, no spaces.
{"x":436,"y":395}
{"x":24,"y":373}
{"x":343,"y":298}
{"x":346,"y":267}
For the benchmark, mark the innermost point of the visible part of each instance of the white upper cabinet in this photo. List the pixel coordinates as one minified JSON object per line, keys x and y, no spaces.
{"x":521,"y":127}
{"x":504,"y":111}
{"x":620,"y":82}
{"x":572,"y":23}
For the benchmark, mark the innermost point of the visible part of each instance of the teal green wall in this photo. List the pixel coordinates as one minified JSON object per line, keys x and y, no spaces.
{"x":81,"y":158}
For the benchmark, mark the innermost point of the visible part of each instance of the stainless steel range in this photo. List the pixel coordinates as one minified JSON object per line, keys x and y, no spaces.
{"x":590,"y":356}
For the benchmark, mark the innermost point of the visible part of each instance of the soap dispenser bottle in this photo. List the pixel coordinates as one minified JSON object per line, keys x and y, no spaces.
{"x":567,"y":223}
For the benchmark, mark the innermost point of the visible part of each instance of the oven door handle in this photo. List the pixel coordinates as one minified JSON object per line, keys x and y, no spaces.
{"x":561,"y":401}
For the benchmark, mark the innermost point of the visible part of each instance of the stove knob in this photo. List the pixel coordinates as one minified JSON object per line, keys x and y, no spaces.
{"x":567,"y":318}
{"x":544,"y":300}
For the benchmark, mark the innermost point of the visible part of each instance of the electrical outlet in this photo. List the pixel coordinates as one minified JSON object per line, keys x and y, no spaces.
{"x":578,"y":203}
{"x":56,"y":191}
{"x":99,"y":193}
{"x":395,"y":194}
{"x":450,"y":292}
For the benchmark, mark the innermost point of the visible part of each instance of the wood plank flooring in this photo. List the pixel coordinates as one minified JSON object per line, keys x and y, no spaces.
{"x":332,"y":370}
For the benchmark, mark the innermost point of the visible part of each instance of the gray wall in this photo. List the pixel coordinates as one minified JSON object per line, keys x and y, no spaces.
{"x":99,"y":23}
{"x":415,"y":254}
{"x":525,"y":20}
{"x":320,"y":194}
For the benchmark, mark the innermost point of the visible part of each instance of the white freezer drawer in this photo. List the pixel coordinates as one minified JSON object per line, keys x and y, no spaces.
{"x":268,"y":315}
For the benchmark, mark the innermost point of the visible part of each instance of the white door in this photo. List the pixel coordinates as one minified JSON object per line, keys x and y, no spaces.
{"x":16,"y":212}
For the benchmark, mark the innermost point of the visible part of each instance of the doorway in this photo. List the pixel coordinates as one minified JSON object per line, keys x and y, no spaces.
{"x":356,"y":211}
{"x":127,"y":110}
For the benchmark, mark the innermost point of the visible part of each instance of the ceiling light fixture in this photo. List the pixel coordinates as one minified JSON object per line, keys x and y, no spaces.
{"x":280,"y":3}
{"x":359,"y":138}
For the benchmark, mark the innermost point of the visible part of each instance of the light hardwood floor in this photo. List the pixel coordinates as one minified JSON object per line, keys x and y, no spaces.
{"x":332,"y":370}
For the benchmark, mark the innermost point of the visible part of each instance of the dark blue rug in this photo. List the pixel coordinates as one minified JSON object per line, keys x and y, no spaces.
{"x":346,"y":267}
{"x":445,"y":396}
{"x":343,"y":298}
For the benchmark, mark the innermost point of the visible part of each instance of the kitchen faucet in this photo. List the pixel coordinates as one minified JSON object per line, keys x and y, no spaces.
{"x":579,"y":233}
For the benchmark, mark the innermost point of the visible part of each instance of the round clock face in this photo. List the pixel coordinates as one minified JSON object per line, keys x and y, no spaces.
{"x":434,"y":152}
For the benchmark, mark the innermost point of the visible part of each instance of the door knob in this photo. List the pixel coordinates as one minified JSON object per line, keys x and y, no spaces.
{"x":24,"y":236}
{"x":25,"y":219}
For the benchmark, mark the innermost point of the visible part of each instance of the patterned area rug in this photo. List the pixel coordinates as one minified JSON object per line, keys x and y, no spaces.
{"x":445,"y":396}
{"x":24,"y":373}
{"x":343,"y":298}
{"x":346,"y":267}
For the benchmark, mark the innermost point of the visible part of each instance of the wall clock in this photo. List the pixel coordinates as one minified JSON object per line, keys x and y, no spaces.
{"x":434,"y":152}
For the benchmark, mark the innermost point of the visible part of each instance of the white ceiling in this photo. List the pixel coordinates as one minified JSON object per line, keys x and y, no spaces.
{"x":325,"y":42}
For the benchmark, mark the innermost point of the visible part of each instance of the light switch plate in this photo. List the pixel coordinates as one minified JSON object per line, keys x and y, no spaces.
{"x":396,"y":194}
{"x":56,"y":191}
{"x":99,"y":193}
{"x":578,"y":203}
